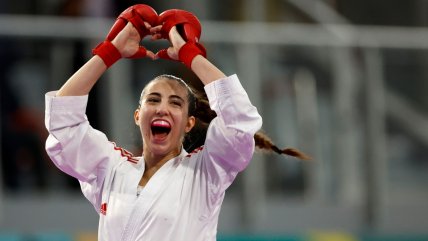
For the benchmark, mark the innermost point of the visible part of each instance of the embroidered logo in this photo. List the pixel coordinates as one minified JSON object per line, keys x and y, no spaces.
{"x":103,"y":209}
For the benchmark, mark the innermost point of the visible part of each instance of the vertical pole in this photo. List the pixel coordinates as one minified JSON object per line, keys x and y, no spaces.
{"x":346,"y":182}
{"x":376,"y":166}
{"x":307,"y":118}
{"x":254,"y":206}
{"x":254,"y":180}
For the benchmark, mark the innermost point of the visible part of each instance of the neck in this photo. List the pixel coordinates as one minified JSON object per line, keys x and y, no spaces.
{"x":153,"y":161}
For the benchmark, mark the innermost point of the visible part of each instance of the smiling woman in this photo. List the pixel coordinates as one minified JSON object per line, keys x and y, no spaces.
{"x":163,"y":118}
{"x":166,"y":193}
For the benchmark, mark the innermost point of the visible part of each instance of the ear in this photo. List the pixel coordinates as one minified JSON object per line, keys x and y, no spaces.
{"x":191,"y":121}
{"x":137,"y":117}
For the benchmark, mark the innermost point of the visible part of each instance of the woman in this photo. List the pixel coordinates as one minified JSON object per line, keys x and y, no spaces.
{"x":167,"y":193}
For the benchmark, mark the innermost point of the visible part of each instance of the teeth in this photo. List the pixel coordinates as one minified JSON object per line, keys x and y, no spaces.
{"x":161,"y":123}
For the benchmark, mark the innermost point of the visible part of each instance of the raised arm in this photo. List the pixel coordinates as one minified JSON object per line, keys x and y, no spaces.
{"x":81,"y":82}
{"x":123,"y":41}
{"x":202,"y":67}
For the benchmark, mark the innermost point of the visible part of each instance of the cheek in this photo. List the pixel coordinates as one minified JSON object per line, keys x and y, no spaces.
{"x":183,"y":122}
{"x":143,"y":120}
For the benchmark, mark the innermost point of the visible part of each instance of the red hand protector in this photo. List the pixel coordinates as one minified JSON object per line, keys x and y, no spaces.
{"x":137,"y":15}
{"x":189,"y":27}
{"x":189,"y":51}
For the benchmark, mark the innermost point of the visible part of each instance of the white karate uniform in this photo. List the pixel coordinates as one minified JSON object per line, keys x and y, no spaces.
{"x":182,"y":200}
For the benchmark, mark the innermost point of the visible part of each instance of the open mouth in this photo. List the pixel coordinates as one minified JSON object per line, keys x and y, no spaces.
{"x":160,"y":128}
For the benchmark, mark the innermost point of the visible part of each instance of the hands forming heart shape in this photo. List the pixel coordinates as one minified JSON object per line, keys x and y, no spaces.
{"x":181,"y":28}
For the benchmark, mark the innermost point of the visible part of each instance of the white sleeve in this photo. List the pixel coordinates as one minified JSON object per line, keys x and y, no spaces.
{"x":229,"y":145}
{"x":74,"y":146}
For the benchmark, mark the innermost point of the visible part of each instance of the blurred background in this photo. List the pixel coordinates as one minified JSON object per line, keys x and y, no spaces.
{"x":345,"y":81}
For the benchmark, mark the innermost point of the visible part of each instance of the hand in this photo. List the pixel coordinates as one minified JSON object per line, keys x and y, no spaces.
{"x":127,"y":42}
{"x":175,"y":39}
{"x":131,"y":26}
{"x":184,"y":40}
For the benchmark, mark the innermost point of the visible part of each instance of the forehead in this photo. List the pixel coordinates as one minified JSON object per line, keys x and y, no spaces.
{"x":166,"y":87}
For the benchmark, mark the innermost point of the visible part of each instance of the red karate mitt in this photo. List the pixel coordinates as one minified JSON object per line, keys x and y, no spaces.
{"x":137,"y":15}
{"x":189,"y":28}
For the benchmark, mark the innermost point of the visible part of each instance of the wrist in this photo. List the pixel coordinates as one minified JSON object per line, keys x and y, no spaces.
{"x":189,"y":51}
{"x":107,"y":52}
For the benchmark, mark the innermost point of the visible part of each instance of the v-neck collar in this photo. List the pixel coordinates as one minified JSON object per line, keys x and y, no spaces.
{"x":160,"y":175}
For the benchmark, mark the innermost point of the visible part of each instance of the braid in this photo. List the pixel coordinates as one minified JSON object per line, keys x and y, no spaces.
{"x":204,"y":115}
{"x":263,"y":142}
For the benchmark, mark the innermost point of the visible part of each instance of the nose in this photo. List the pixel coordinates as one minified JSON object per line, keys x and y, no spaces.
{"x":162,"y":109}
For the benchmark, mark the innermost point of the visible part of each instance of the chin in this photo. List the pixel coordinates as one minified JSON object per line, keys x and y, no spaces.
{"x":161,"y":150}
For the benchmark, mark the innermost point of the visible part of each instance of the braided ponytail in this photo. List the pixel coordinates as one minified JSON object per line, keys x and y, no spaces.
{"x":204,"y":114}
{"x":264,"y":142}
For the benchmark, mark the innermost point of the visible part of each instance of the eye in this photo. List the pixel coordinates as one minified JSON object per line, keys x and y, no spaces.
{"x":152,"y":100}
{"x":176,"y":103}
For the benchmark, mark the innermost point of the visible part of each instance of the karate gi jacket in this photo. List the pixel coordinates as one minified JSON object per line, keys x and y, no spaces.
{"x":182,"y":200}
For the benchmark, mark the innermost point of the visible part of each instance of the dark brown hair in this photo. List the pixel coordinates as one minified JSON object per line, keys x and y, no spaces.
{"x":200,"y":109}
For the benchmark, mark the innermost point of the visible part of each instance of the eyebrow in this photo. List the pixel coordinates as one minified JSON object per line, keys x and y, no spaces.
{"x":170,"y":97}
